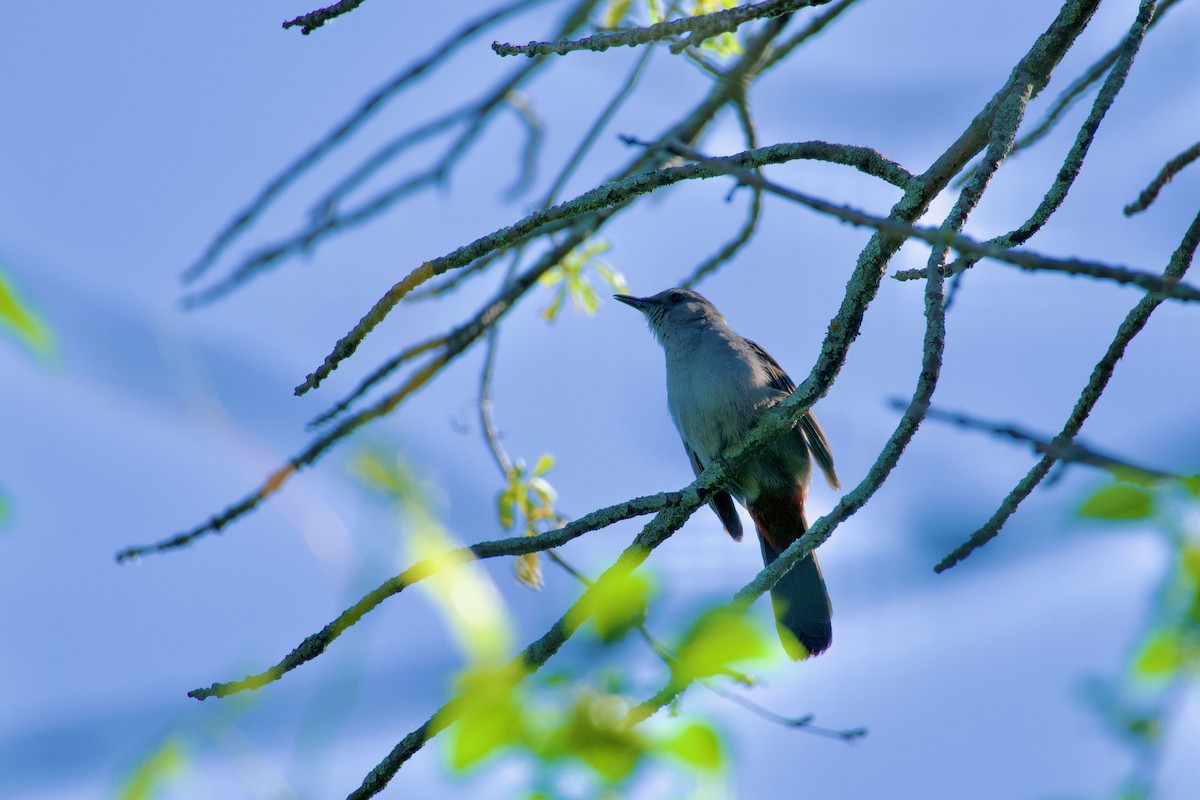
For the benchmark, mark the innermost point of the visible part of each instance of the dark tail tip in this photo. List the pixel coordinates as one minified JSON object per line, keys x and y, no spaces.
{"x":806,"y":640}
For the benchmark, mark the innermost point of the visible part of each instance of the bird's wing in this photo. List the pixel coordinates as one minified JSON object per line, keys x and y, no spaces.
{"x":721,"y":502}
{"x":814,"y":437}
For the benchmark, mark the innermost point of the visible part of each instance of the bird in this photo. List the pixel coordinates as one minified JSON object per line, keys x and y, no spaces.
{"x":718,"y":384}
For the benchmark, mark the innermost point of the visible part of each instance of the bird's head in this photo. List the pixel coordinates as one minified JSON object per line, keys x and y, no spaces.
{"x":674,"y":312}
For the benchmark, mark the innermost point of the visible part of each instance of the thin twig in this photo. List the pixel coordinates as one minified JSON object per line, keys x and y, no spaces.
{"x":697,"y":28}
{"x":317,"y":643}
{"x":343,"y":130}
{"x":315,"y":19}
{"x":1070,"y":452}
{"x":603,"y":197}
{"x":941,"y":238}
{"x":1073,"y":163}
{"x":1169,"y":171}
{"x":1003,"y":115}
{"x":1132,"y":325}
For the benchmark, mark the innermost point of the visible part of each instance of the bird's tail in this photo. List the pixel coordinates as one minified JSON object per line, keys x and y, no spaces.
{"x":800,"y":600}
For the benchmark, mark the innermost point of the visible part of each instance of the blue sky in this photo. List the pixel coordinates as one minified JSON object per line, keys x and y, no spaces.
{"x":133,"y":134}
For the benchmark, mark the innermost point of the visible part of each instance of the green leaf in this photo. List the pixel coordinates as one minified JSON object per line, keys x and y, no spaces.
{"x":488,"y":715}
{"x":528,"y":569}
{"x":1120,"y":501}
{"x":544,"y":464}
{"x":505,"y":507}
{"x":697,"y":745}
{"x":543,"y":490}
{"x":595,"y":733}
{"x":5,"y":509}
{"x":386,"y":474}
{"x":615,"y":605}
{"x":724,"y":45}
{"x":551,"y":311}
{"x":611,"y":276}
{"x":167,"y":761}
{"x":1191,"y":483}
{"x":585,"y":296}
{"x":616,"y":11}
{"x":1161,"y":655}
{"x":21,"y":322}
{"x":717,"y":640}
{"x":1189,"y":559}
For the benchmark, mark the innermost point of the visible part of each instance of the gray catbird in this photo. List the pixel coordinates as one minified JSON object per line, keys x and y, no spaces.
{"x":718,"y":383}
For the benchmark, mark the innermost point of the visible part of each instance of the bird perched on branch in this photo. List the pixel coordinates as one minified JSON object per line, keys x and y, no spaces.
{"x":718,"y":384}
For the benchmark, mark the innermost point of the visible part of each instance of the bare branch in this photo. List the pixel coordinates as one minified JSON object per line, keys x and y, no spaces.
{"x":1123,"y":56}
{"x":318,"y":642}
{"x":942,"y":238}
{"x":343,"y":130}
{"x":606,"y":196}
{"x":315,"y":19}
{"x":1079,"y":86}
{"x":1169,"y":171}
{"x":685,"y":130}
{"x":1132,"y":325}
{"x":1070,"y":452}
{"x":698,"y":28}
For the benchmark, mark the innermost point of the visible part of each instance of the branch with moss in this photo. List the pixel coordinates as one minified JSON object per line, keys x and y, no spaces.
{"x":986,"y":129}
{"x":1169,"y":171}
{"x":343,"y":130}
{"x":940,"y":237}
{"x":317,"y":643}
{"x":1064,"y":179}
{"x":1071,"y":452}
{"x":689,"y":127}
{"x":307,"y":23}
{"x":607,"y":196}
{"x":697,"y":30}
{"x":1130,"y":327}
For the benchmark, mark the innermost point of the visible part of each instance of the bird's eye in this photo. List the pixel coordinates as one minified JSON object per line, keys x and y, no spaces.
{"x":675,"y":297}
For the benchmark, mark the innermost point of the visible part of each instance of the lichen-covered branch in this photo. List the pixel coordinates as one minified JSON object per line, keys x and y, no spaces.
{"x":943,"y":238}
{"x":317,"y":643}
{"x":1130,"y":327}
{"x":696,"y":29}
{"x":1079,"y":87}
{"x":1071,"y":452}
{"x":1122,"y":61}
{"x":602,"y":197}
{"x":1169,"y":171}
{"x":307,"y":23}
{"x":343,"y":130}
{"x":689,"y":127}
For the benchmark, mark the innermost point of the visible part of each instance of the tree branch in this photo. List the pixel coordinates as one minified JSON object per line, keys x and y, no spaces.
{"x":1132,"y":325}
{"x":698,"y":28}
{"x":1069,"y":452}
{"x":606,"y":196}
{"x":317,"y":643}
{"x":1169,"y":171}
{"x":315,"y":19}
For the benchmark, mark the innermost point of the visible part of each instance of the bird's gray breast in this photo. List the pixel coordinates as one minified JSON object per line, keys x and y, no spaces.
{"x":715,"y":391}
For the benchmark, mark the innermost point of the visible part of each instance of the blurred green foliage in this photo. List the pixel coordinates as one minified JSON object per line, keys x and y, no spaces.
{"x":21,"y":322}
{"x":570,"y":279}
{"x":528,"y":496}
{"x":572,"y":728}
{"x":1140,"y":705}
{"x":160,"y":766}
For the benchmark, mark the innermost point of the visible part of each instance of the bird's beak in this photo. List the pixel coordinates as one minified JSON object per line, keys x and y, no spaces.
{"x":642,"y":304}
